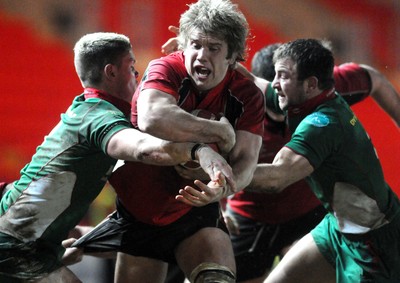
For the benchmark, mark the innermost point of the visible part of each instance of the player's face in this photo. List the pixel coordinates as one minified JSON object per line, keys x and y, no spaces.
{"x":127,"y":76}
{"x":290,"y":90}
{"x":205,"y":60}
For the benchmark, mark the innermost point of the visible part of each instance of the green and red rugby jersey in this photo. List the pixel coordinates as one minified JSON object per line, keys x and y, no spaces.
{"x":67,"y":172}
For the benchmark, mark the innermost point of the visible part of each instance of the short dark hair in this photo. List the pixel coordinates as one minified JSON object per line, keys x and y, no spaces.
{"x":312,"y":57}
{"x":262,"y":64}
{"x":95,"y":50}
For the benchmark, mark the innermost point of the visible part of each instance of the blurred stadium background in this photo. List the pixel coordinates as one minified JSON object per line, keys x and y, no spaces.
{"x":38,"y":80}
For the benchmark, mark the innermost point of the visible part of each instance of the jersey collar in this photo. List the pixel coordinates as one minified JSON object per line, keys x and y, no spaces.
{"x":122,"y":105}
{"x":308,"y":106}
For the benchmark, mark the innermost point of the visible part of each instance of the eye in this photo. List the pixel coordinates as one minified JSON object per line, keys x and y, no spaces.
{"x":134,"y":71}
{"x":196,"y":46}
{"x":214,"y":49}
{"x":282,"y":75}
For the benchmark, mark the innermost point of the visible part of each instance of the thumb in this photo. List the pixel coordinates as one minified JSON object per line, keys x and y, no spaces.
{"x":68,"y":242}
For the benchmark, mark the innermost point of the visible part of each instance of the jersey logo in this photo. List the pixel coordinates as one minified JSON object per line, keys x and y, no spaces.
{"x":317,"y":119}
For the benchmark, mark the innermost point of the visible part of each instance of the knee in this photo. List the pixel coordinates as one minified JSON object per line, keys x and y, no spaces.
{"x":212,"y":272}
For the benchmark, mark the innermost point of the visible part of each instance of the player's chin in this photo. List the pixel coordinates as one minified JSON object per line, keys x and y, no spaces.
{"x":202,"y":83}
{"x":283,"y":105}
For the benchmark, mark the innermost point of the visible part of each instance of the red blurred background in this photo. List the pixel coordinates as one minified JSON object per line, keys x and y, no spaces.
{"x":39,"y":82}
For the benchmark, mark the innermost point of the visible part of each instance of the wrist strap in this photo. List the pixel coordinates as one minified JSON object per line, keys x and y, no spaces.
{"x":194,"y":149}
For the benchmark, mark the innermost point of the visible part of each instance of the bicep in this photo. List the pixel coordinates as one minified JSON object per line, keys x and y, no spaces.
{"x":152,"y":106}
{"x":160,"y":116}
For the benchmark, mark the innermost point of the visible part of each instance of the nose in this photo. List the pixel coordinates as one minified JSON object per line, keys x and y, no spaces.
{"x":201,"y":54}
{"x":275,"y":82}
{"x":136,"y":74}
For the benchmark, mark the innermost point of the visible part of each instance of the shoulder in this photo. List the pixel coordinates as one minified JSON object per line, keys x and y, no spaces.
{"x":352,"y":82}
{"x":242,"y":86}
{"x":326,"y":119}
{"x":172,"y":61}
{"x":169,"y":66}
{"x":318,"y":119}
{"x":99,"y":112}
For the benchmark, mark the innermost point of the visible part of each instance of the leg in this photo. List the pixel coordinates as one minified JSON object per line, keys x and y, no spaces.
{"x":303,"y":263}
{"x":254,"y":246}
{"x":139,"y":269}
{"x":208,"y":245}
{"x":62,"y":275}
{"x":174,"y":274}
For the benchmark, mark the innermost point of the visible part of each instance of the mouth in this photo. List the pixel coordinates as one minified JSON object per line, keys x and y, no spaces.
{"x":281,"y":97}
{"x":280,"y":94}
{"x":202,"y":72}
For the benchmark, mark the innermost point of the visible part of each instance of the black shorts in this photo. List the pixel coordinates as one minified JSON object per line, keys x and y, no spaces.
{"x":258,"y":244}
{"x":121,"y":232}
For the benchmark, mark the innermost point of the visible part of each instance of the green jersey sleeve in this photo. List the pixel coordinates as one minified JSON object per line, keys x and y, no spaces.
{"x":316,"y":137}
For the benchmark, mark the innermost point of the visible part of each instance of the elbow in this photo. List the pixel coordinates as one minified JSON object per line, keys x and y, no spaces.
{"x":143,"y":153}
{"x":147,"y":124}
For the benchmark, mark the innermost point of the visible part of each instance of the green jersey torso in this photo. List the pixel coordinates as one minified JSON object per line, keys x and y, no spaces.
{"x":65,"y":175}
{"x":347,"y":176}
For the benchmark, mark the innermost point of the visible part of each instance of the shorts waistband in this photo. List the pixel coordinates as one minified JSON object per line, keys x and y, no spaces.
{"x":392,"y":224}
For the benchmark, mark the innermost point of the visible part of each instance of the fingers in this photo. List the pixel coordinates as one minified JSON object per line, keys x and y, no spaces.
{"x":170,"y":46}
{"x":188,"y":196}
{"x":72,"y":256}
{"x":174,"y":29}
{"x":221,"y":181}
{"x":224,"y":175}
{"x":209,"y":193}
{"x":68,"y":242}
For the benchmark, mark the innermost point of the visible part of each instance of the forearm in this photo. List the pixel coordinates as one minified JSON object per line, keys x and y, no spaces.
{"x":133,"y":145}
{"x":165,"y":153}
{"x":266,"y":180}
{"x":286,"y":169}
{"x":175,"y":124}
{"x":384,"y":93}
{"x":243,"y":158}
{"x":243,"y":172}
{"x":160,"y":116}
{"x":389,"y":100}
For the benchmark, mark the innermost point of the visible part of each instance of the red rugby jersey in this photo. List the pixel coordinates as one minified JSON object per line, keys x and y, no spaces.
{"x":148,"y":192}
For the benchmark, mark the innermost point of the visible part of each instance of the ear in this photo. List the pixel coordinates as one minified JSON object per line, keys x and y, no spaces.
{"x":109,"y":71}
{"x":311,"y":83}
{"x":232,"y":60}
